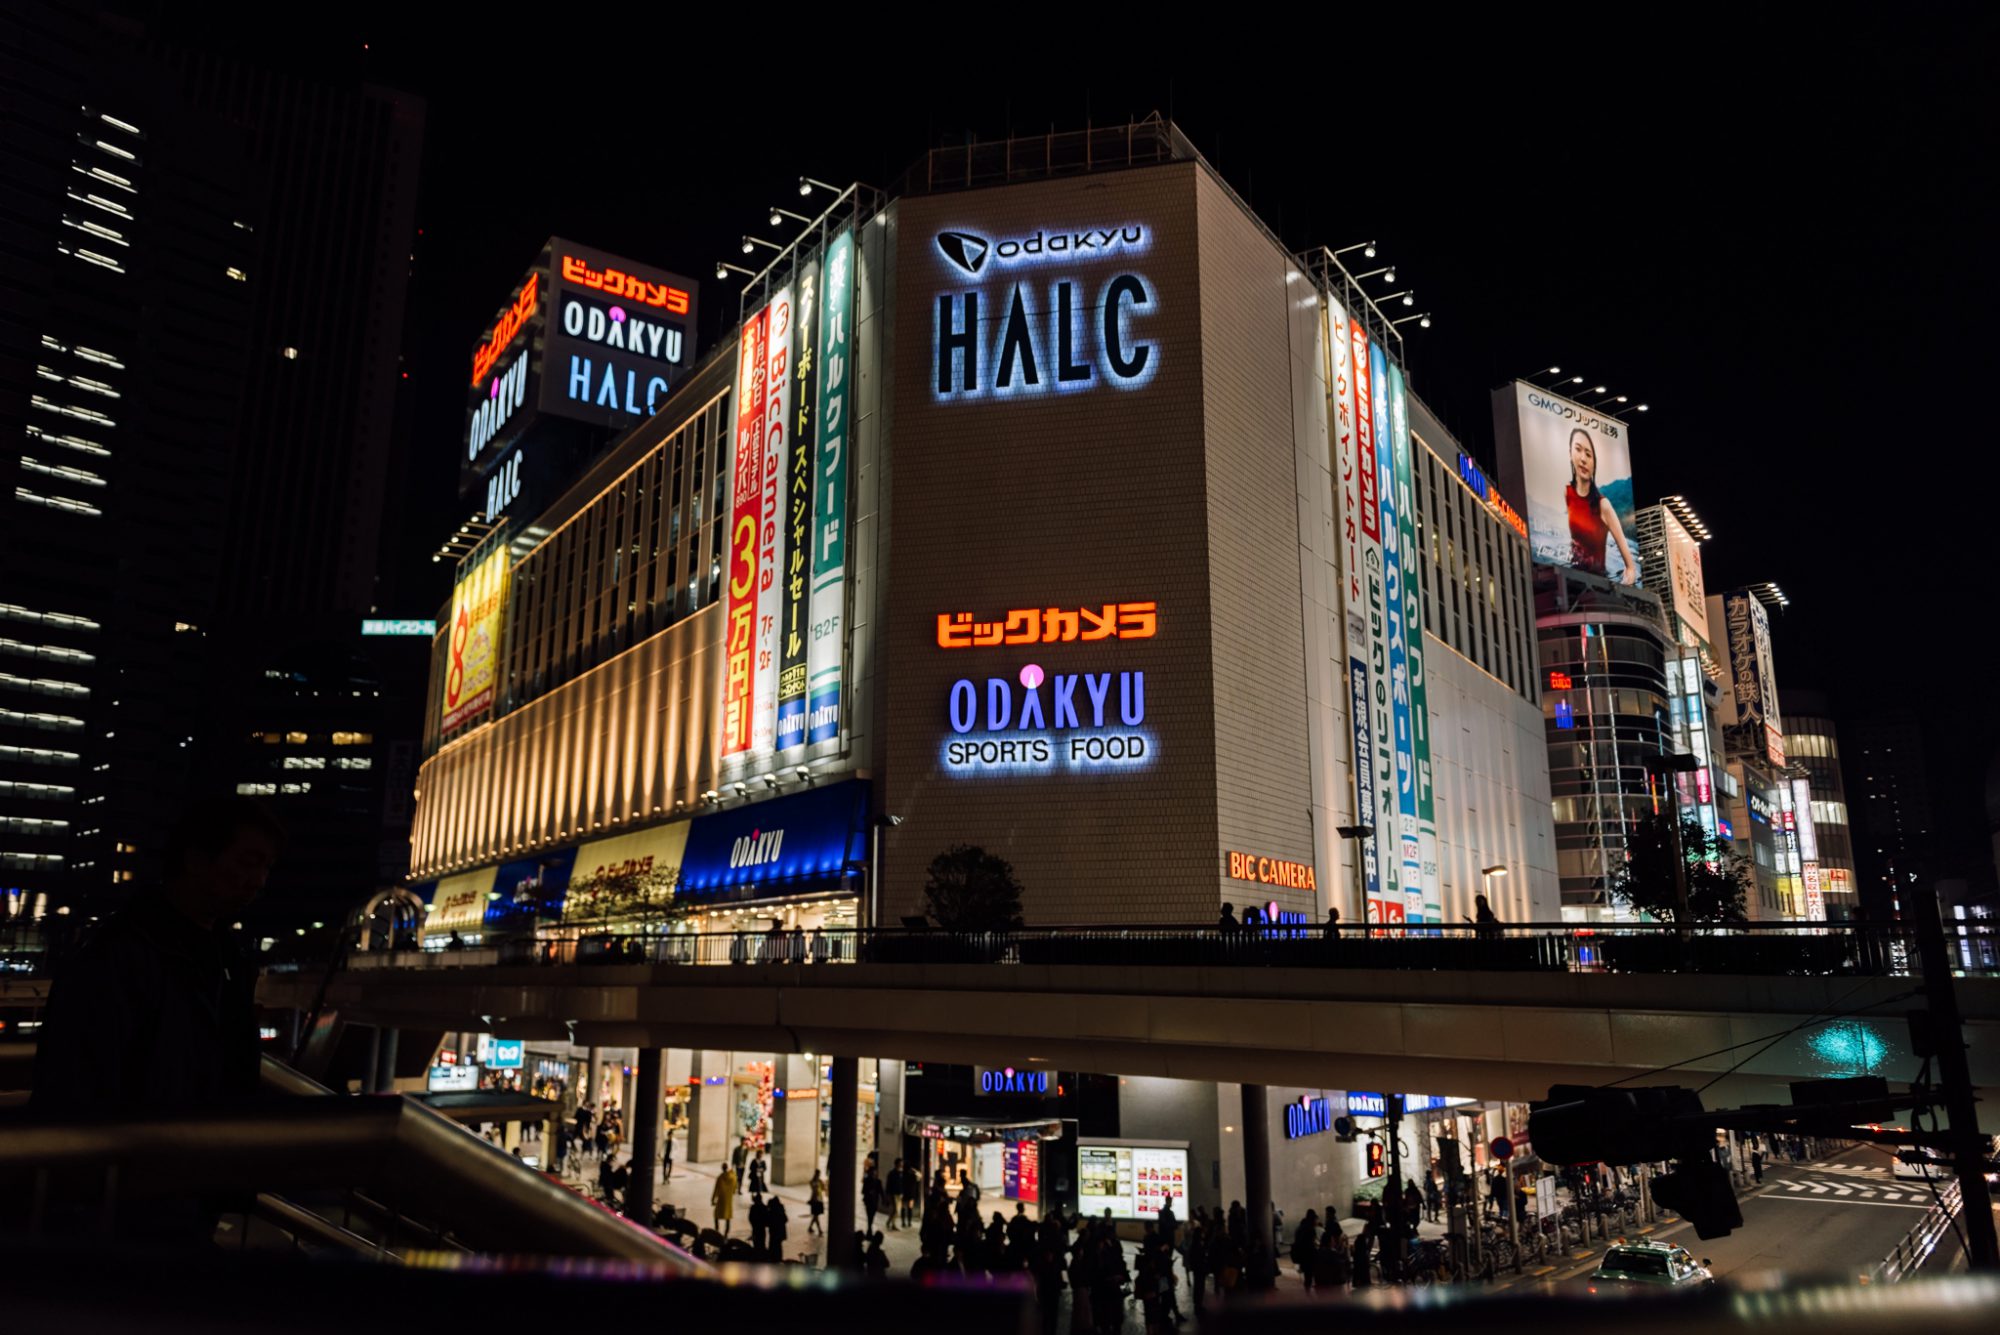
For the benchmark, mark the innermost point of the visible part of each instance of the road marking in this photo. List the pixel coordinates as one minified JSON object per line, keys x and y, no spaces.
{"x":1814,"y":1200}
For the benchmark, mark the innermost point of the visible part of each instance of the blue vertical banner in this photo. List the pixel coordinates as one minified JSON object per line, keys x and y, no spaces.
{"x":1364,"y":776}
{"x":1397,"y":544}
{"x":826,"y":652}
{"x":1425,"y":891}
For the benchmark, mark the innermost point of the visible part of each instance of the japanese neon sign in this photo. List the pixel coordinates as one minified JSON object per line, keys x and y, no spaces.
{"x":511,"y":321}
{"x":630,"y":287}
{"x":1053,"y":625}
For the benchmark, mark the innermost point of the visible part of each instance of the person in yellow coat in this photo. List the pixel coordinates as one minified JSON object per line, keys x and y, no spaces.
{"x":723,"y":1198}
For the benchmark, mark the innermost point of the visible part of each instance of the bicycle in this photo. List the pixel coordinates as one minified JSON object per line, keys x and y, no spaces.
{"x":1431,"y":1262}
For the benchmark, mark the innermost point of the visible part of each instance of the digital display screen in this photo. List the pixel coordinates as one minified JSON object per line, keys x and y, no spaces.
{"x":1131,"y":1181}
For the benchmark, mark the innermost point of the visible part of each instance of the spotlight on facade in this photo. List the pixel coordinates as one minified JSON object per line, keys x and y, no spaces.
{"x":1369,"y":250}
{"x":748,"y":245}
{"x":721,"y":272}
{"x":1423,"y":322}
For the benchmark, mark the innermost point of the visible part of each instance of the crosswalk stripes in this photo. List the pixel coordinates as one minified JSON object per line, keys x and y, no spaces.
{"x":1836,"y":1189}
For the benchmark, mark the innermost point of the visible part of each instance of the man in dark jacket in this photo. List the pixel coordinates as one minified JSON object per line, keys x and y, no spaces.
{"x":156,"y":1013}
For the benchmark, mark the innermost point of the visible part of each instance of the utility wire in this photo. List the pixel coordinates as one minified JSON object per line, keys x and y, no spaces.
{"x":1809,"y":1021}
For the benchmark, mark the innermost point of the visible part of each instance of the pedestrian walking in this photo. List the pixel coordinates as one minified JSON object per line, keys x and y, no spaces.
{"x":667,"y":1155}
{"x":1757,"y":1165}
{"x":892,"y":1190}
{"x":723,"y":1198}
{"x":1485,"y":922}
{"x":816,"y":1201}
{"x":757,"y":1183}
{"x":777,"y":1226}
{"x":871,"y":1196}
{"x":760,"y":1226}
{"x":1305,"y":1243}
{"x":913,"y":1191}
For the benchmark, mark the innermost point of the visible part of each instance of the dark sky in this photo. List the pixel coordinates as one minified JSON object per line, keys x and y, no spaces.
{"x":1775,"y":229}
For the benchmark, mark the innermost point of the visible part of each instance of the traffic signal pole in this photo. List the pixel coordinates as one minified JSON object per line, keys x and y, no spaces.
{"x":1969,"y":1146}
{"x":1392,"y":1193}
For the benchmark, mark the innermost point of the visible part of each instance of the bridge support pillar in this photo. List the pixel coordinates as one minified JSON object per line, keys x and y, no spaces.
{"x":1257,"y":1164}
{"x":842,"y":1188}
{"x":795,"y":1121}
{"x":371,"y":1073}
{"x":593,"y":1087}
{"x":709,"y":1138}
{"x":647,"y":1099}
{"x":385,"y":1072}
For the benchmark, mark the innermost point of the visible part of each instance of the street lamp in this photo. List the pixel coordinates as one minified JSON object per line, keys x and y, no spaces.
{"x":1359,"y":834}
{"x":875,"y":866}
{"x":750,"y":243}
{"x":778,"y":215}
{"x":806,"y":184}
{"x":723,"y":270}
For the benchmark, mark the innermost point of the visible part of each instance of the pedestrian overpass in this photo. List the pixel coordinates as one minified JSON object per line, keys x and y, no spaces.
{"x":1276,"y":1012}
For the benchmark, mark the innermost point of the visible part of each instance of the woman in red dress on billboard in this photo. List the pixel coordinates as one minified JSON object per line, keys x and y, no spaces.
{"x":1591,"y":518}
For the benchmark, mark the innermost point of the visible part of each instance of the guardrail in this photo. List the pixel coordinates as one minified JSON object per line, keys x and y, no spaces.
{"x":1755,"y":949}
{"x":1915,"y":1249}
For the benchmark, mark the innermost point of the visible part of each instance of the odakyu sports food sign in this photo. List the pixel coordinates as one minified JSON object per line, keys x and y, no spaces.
{"x":1030,"y":718}
{"x":1056,"y":310}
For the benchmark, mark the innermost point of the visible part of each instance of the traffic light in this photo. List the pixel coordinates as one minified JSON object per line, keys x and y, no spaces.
{"x":1698,"y":1191}
{"x":1376,"y":1167}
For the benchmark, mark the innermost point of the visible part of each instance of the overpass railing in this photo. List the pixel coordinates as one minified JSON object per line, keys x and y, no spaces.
{"x":1755,"y":949}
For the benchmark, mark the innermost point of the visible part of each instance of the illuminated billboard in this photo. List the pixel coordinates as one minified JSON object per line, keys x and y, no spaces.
{"x":1130,"y":1181}
{"x":1751,"y":722}
{"x":478,"y":608}
{"x":584,"y":338}
{"x":1571,"y":467}
{"x":1684,"y":573}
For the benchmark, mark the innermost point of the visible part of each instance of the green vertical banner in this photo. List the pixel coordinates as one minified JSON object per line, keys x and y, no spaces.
{"x":827,"y":613}
{"x":1413,"y":621}
{"x":796,"y":517}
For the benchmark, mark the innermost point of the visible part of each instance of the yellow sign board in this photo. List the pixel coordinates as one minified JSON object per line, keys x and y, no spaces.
{"x":478,"y":606}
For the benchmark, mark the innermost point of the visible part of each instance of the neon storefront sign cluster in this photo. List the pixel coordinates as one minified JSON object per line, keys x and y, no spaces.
{"x":1053,"y":625}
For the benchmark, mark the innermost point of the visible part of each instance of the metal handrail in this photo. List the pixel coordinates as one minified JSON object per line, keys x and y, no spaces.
{"x":1815,"y":949}
{"x":1915,"y":1249}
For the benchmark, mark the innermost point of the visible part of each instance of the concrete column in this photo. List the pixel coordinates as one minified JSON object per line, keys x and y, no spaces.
{"x":708,"y":1138}
{"x":385,"y":1074}
{"x":842,"y":1187}
{"x":591,"y":1088}
{"x":645,"y":1114}
{"x":795,"y":1122}
{"x":371,"y":1074}
{"x":1257,"y":1163}
{"x":889,"y":1110}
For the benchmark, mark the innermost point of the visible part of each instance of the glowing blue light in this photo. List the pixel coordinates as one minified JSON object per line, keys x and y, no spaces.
{"x":1849,"y":1047}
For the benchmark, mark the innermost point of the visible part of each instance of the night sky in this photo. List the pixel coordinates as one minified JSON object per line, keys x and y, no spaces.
{"x":1774,"y":230}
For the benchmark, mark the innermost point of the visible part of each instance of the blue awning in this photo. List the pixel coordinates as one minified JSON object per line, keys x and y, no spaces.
{"x":531,"y":887}
{"x":789,"y":845}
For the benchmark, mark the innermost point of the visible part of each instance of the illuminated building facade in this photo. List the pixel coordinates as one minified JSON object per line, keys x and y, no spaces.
{"x":1110,"y":543}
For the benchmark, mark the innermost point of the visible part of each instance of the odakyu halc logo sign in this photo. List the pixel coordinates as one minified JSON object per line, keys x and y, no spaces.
{"x":1064,"y":335}
{"x":970,"y":251}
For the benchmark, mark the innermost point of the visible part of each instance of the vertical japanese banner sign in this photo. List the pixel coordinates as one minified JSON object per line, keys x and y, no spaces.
{"x":771,"y":530}
{"x":746,"y":490}
{"x":1347,"y":492}
{"x":1385,"y":905}
{"x":794,"y":631}
{"x":1413,"y":624}
{"x":1397,"y":555}
{"x":828,"y":610}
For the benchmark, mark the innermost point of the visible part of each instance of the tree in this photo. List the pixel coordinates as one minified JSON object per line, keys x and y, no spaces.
{"x":971,"y":890}
{"x":1717,"y":875}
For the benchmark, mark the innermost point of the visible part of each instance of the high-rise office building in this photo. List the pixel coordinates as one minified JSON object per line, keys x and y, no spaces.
{"x":127,"y":252}
{"x":205,"y":272}
{"x":1812,"y":745}
{"x":1889,"y":798}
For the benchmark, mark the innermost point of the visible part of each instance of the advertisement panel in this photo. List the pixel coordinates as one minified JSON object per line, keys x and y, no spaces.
{"x":458,"y":904}
{"x":771,"y":511}
{"x":1398,"y":565}
{"x":797,"y":505}
{"x":1424,"y":895}
{"x":628,"y":875}
{"x":1131,"y":1181}
{"x":1684,"y":573}
{"x":618,"y":335}
{"x":1573,"y":468}
{"x":1753,"y":683}
{"x":478,"y":609}
{"x":1386,"y":903}
{"x":746,"y":489}
{"x":827,"y":616}
{"x":1353,"y":478}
